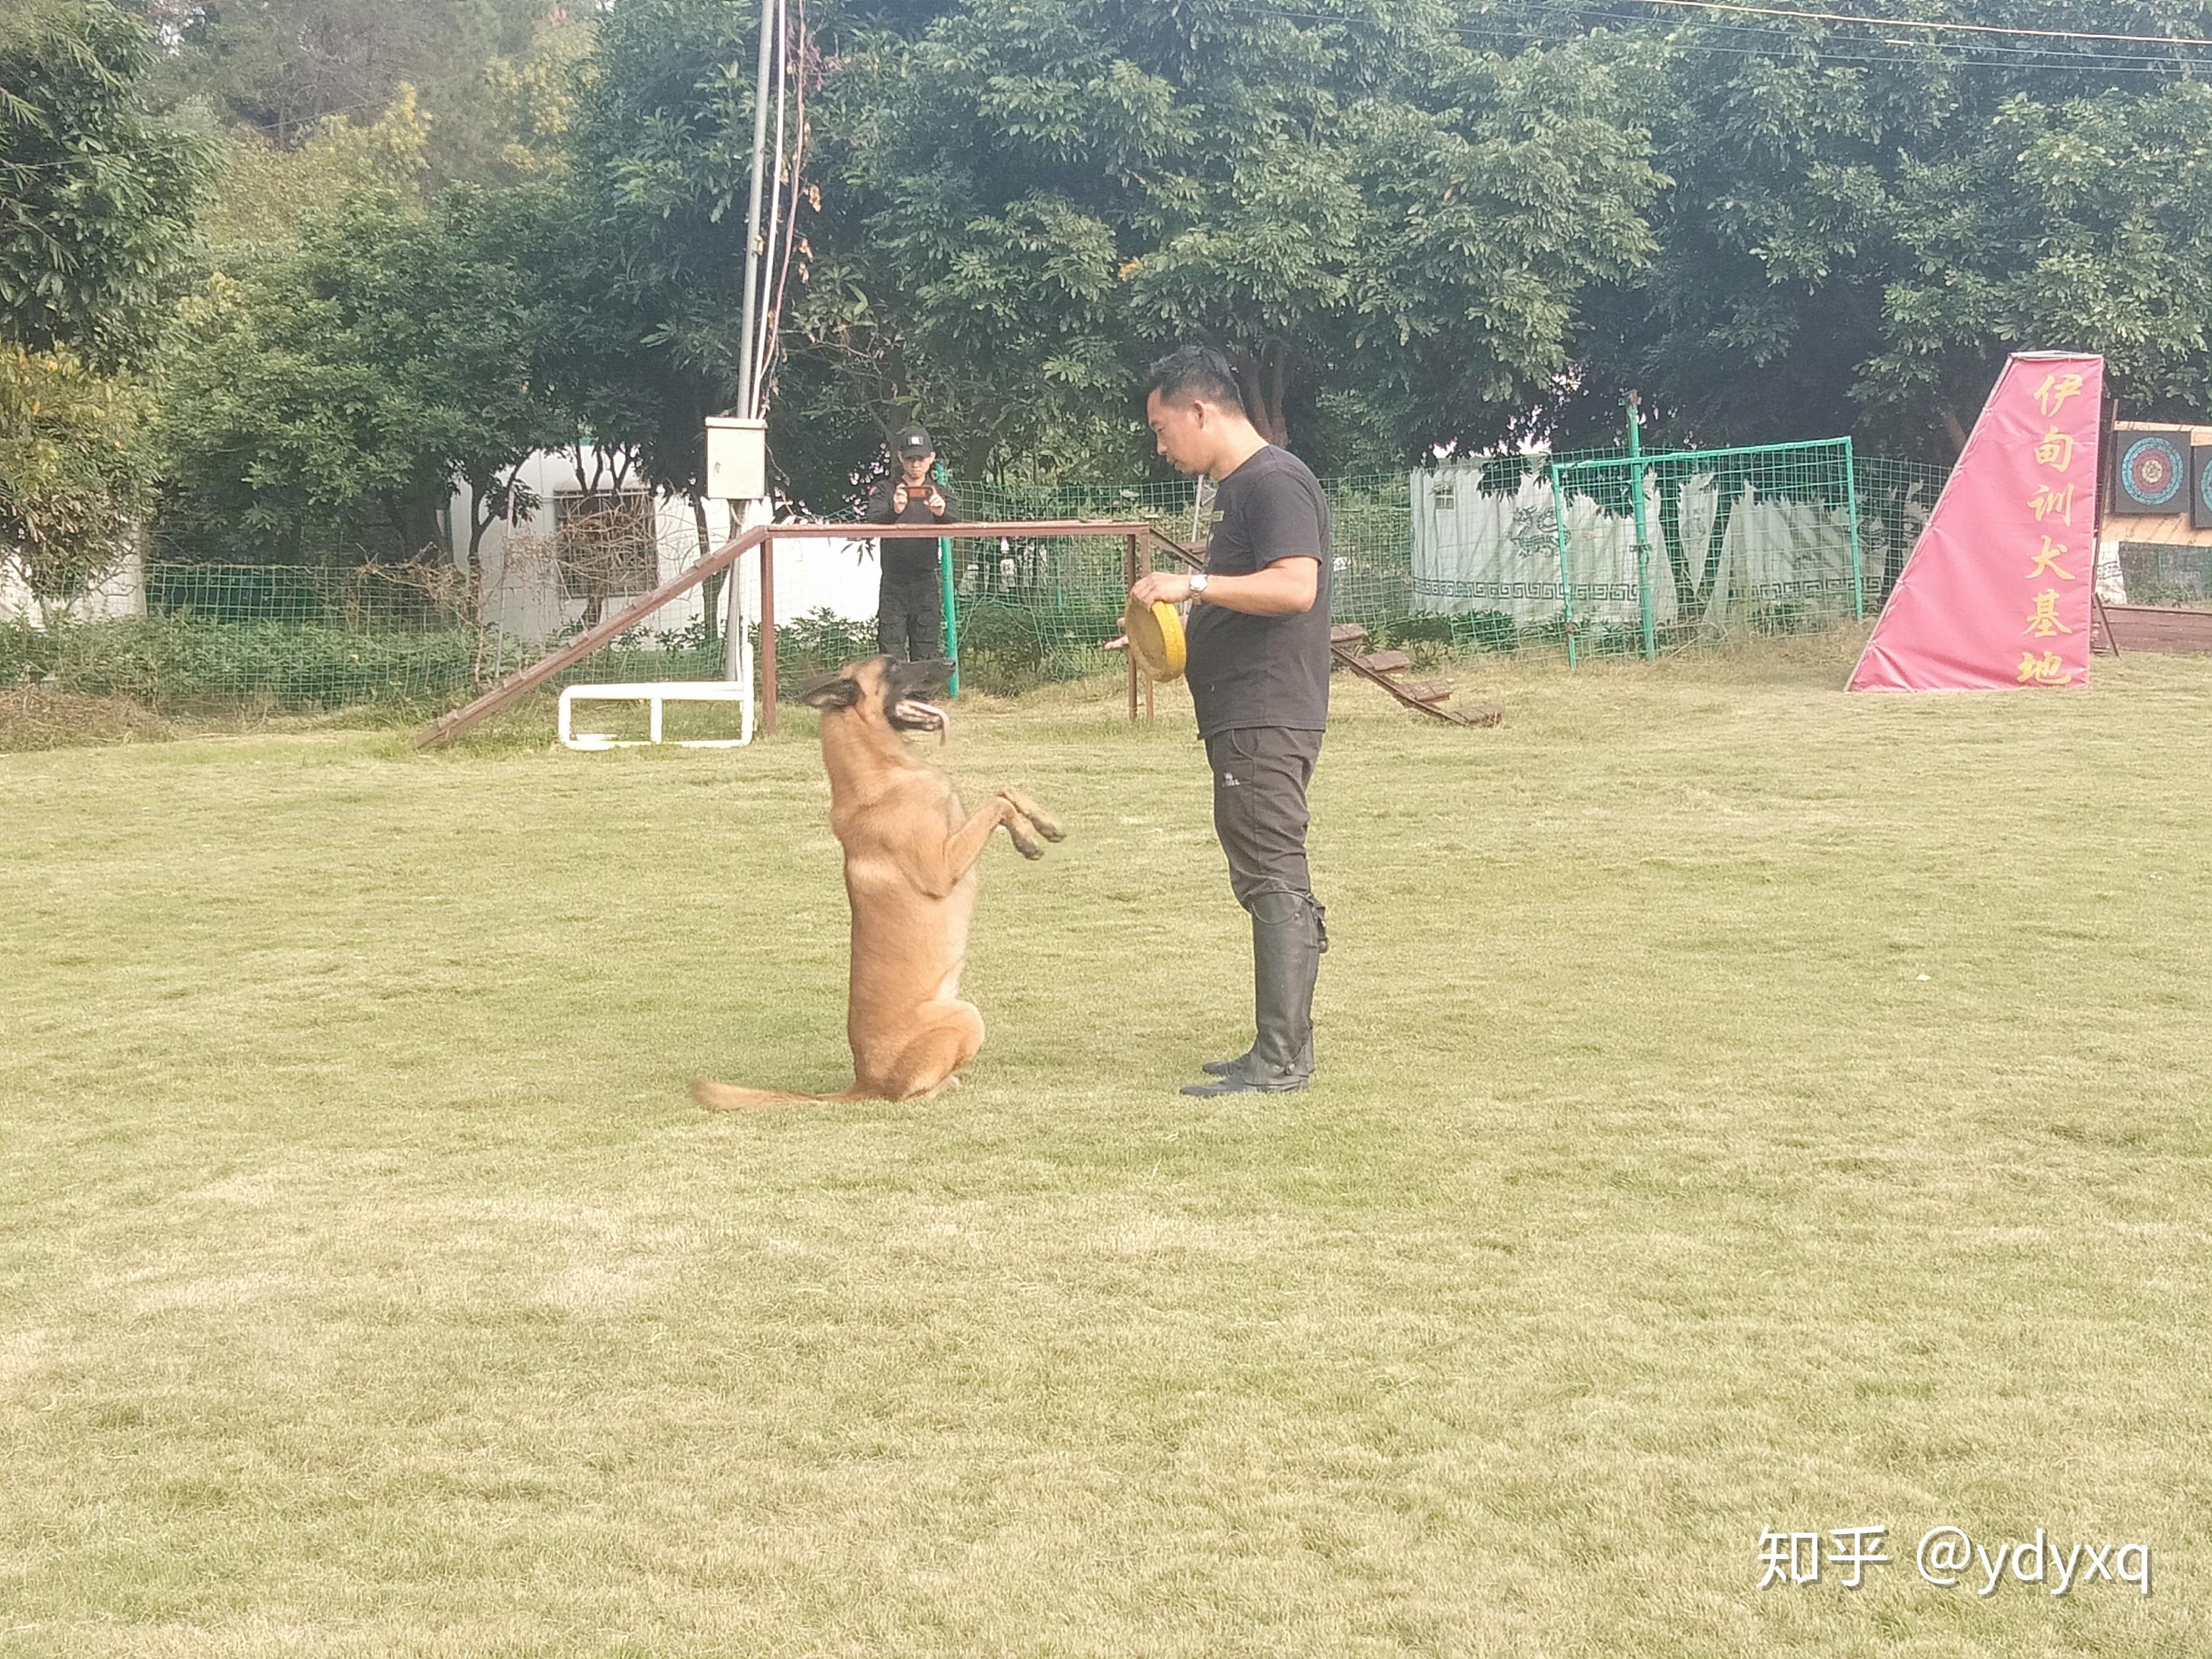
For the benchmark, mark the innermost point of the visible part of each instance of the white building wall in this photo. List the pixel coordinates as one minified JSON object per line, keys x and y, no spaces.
{"x":809,"y":575}
{"x":123,"y":594}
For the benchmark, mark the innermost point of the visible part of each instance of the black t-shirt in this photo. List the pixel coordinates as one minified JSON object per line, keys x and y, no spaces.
{"x":910,"y":555}
{"x":1263,"y":670}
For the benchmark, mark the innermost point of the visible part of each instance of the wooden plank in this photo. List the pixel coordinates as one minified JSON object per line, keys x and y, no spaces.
{"x":1132,"y":568}
{"x":1347,"y":634}
{"x":769,"y":688}
{"x":1426,"y":690}
{"x":447,"y":727}
{"x":1396,"y":688}
{"x":2159,"y":628}
{"x":1386,"y":662}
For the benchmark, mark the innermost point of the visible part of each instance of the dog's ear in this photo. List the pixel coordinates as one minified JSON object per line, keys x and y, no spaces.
{"x":832,"y":691}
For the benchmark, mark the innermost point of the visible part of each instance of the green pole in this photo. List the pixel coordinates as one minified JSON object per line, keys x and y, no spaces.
{"x":952,"y":605}
{"x":1642,"y":538}
{"x":1851,"y":495}
{"x":1566,"y":583}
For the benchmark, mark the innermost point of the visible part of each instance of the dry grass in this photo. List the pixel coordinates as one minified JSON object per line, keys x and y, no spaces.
{"x":1744,"y":1106}
{"x":32,"y":717}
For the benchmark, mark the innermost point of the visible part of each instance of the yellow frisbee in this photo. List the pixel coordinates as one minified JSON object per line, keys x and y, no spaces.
{"x":1155,"y":634}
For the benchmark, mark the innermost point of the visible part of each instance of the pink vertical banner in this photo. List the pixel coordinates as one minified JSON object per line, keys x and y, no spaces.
{"x":1997,"y":593}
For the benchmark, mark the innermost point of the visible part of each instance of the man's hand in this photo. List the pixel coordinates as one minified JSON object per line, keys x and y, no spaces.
{"x":1161,"y":586}
{"x":935,"y":500}
{"x":898,"y":498}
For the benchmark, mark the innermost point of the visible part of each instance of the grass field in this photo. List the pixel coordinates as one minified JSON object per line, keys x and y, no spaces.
{"x":1743,"y":1106}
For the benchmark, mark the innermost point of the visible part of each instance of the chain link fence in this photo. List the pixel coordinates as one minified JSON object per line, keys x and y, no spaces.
{"x":1514,"y":553}
{"x":2162,"y":574}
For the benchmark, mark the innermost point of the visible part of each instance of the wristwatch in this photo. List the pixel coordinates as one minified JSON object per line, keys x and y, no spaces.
{"x":1198,"y":584}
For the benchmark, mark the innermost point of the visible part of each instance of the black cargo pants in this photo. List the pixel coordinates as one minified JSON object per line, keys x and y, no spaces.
{"x":910,"y":616}
{"x":1260,"y":778}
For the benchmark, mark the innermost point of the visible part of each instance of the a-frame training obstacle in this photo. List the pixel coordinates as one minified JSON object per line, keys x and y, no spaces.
{"x":1138,"y":538}
{"x":1998,"y":592}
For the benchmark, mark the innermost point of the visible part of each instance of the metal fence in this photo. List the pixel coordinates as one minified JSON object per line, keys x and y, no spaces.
{"x":1587,"y":553}
{"x":2155,"y":572}
{"x":1034,"y":609}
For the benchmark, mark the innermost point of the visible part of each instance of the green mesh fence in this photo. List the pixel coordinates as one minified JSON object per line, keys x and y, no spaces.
{"x":1038,"y":608}
{"x":1610,"y":553}
{"x":1674,"y":550}
{"x":1465,"y":555}
{"x":2152,"y":572}
{"x":291,"y":637}
{"x":1895,"y":499}
{"x":306,"y":639}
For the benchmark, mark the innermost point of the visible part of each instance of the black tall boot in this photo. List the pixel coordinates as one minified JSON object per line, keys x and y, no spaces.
{"x":1287,"y":941}
{"x":1224,"y":1068}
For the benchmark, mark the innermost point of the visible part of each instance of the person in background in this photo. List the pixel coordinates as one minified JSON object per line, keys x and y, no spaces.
{"x":910,"y":606}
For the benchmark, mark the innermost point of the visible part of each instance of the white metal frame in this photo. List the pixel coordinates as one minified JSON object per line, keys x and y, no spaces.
{"x":658,"y":694}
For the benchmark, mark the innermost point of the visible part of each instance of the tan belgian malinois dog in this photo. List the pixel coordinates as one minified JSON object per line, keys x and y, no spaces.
{"x":910,"y":853}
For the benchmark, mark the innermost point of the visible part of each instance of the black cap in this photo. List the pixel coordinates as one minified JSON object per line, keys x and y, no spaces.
{"x":913,"y":444}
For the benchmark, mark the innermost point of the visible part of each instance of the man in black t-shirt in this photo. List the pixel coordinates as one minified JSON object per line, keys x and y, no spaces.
{"x":910,"y":606}
{"x":1258,"y":668}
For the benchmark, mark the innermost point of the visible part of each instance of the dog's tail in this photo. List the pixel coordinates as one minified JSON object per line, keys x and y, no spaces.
{"x":728,"y":1097}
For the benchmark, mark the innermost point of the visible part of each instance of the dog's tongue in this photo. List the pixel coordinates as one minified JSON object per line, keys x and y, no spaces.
{"x":944,"y":721}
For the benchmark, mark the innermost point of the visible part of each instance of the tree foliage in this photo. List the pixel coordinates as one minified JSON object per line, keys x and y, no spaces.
{"x":395,"y":354}
{"x":95,"y":200}
{"x":1857,"y":227}
{"x":1417,"y":224}
{"x":75,"y":468}
{"x":492,"y":78}
{"x":95,"y":197}
{"x":1389,"y":229}
{"x":2085,"y":225}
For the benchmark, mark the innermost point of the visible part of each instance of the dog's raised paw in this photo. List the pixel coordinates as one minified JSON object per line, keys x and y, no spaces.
{"x":1041,"y":821}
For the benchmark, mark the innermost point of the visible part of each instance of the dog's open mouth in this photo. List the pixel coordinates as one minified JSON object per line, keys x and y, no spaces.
{"x":912,"y":714}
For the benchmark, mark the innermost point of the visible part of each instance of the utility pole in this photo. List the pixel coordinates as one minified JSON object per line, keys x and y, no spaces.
{"x":743,"y":442}
{"x":748,"y":393}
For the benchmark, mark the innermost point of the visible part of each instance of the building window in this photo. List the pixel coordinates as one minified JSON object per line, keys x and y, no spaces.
{"x":604,"y":545}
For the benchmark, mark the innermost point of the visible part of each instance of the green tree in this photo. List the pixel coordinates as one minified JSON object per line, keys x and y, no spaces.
{"x":638,"y":411}
{"x":1019,"y":203}
{"x":1858,"y":226}
{"x":261,"y":192}
{"x":95,"y":197}
{"x":2080,"y":226}
{"x":95,"y":205}
{"x":75,"y":468}
{"x":355,"y":382}
{"x":1388,"y":228}
{"x":663,"y":154}
{"x":493,"y":78}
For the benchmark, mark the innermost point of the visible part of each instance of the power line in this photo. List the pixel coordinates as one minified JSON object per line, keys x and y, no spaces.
{"x":2055,"y":57}
{"x":1753,"y":39}
{"x":1922,"y":23}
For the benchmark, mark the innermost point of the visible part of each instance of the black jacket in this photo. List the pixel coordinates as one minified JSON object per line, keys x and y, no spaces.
{"x":910,"y":556}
